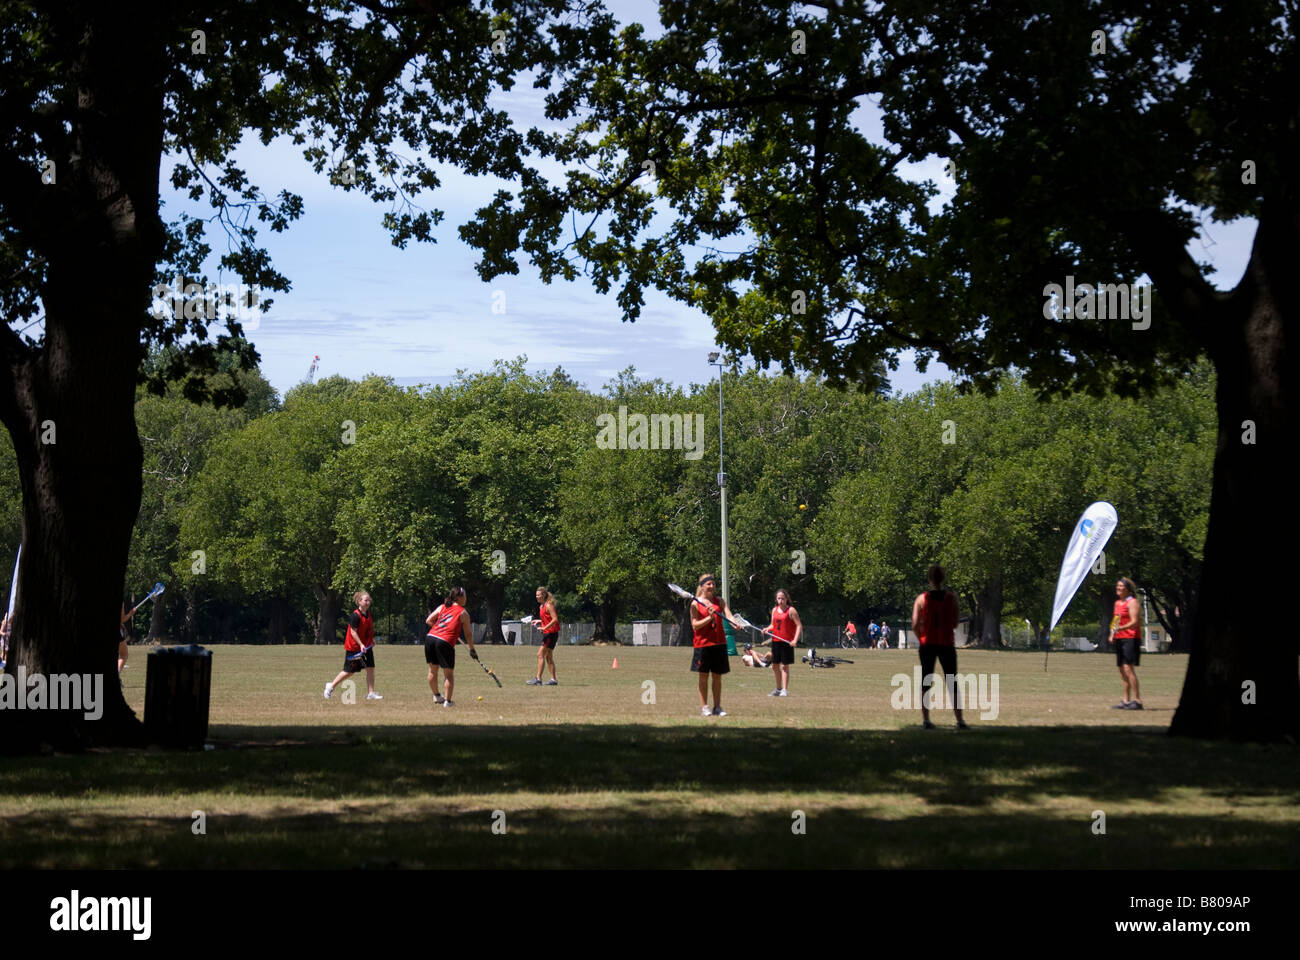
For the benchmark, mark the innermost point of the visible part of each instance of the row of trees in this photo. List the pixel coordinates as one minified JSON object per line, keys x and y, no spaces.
{"x":264,"y":518}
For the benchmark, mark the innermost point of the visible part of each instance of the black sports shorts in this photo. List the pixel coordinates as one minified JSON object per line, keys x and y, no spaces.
{"x":549,"y":639}
{"x":782,"y":652}
{"x":711,"y":659}
{"x":440,"y":652}
{"x":1127,"y":650}
{"x":947,"y":657}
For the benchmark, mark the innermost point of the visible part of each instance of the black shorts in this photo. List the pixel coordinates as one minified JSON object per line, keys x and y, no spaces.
{"x":947,"y":657}
{"x":782,"y":652}
{"x":711,"y":659}
{"x":353,"y":664}
{"x":549,"y":639}
{"x":1127,"y":650}
{"x":440,"y":653}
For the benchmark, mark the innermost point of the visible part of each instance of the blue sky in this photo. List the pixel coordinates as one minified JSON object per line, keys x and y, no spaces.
{"x":419,"y":315}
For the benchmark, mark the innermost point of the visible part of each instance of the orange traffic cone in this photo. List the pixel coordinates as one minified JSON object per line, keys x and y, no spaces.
{"x":615,"y":667}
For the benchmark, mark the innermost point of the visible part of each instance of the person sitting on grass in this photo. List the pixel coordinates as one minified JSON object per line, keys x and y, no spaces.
{"x":753,"y":658}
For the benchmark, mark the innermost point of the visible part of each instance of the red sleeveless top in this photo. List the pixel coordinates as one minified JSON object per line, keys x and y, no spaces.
{"x":783,"y":624}
{"x":1120,"y":611}
{"x":446,"y":624}
{"x":551,"y":627}
{"x":712,"y":633}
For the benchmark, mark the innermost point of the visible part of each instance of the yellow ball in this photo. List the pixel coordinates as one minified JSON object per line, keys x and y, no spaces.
{"x":480,"y":698}
{"x":803,"y":506}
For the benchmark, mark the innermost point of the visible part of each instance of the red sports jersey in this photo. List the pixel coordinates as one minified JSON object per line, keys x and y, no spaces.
{"x":366,"y":638}
{"x":712,"y":633}
{"x":1121,"y":611}
{"x":446,"y":623}
{"x":938,"y":621}
{"x":547,"y":627}
{"x":783,"y":624}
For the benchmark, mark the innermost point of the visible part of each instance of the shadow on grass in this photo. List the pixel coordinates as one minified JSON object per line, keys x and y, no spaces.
{"x":642,"y":834}
{"x":944,"y":766}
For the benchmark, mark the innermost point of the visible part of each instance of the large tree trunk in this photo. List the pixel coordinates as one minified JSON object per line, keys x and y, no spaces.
{"x":606,"y":613}
{"x":494,"y":598}
{"x":991,"y":615}
{"x":158,"y":617}
{"x":278,"y":626}
{"x":329,"y":607}
{"x":69,"y":406}
{"x":1242,"y":679}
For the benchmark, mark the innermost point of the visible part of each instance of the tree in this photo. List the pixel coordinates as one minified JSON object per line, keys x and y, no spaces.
{"x":94,"y":104}
{"x":621,"y":508}
{"x":175,"y":434}
{"x":1083,"y":142}
{"x":265,"y":508}
{"x":474,"y":500}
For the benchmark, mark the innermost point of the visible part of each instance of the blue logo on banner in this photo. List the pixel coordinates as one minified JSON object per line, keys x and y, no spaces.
{"x":1085,"y":528}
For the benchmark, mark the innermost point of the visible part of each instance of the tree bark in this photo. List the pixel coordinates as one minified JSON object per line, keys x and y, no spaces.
{"x":278,"y":624}
{"x":494,"y":600}
{"x":1242,"y":680}
{"x":69,"y":405}
{"x":606,"y":612}
{"x":991,"y":615}
{"x":329,"y":607}
{"x":158,"y":617}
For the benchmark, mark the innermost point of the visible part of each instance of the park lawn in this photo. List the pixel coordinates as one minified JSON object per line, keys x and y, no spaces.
{"x":615,"y":768}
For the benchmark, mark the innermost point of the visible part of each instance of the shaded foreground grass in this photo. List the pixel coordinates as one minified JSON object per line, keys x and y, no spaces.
{"x":589,"y":774}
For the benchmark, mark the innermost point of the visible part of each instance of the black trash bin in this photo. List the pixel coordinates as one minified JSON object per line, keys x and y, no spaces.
{"x":177,"y":685}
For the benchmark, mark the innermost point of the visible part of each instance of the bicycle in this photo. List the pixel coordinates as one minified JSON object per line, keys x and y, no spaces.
{"x":827,"y":662}
{"x":848,"y":641}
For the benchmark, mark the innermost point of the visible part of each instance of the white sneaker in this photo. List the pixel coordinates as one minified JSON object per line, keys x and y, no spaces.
{"x":783,"y":693}
{"x":775,"y":693}
{"x":373,"y":696}
{"x":448,"y":703}
{"x":719,"y":712}
{"x":329,"y":689}
{"x":705,"y":712}
{"x":438,"y":698}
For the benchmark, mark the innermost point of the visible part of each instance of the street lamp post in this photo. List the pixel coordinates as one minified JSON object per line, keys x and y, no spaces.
{"x":715,"y":360}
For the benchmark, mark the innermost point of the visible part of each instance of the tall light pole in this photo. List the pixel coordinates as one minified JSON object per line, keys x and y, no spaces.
{"x":715,"y":360}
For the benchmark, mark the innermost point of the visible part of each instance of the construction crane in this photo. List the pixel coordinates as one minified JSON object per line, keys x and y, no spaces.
{"x":311,"y":373}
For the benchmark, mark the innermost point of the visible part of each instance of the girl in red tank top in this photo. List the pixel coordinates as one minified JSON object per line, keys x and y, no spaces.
{"x":1124,"y":638}
{"x":548,"y":621}
{"x":786,"y":629}
{"x":358,"y":640}
{"x":710,"y":642}
{"x":447,"y":625}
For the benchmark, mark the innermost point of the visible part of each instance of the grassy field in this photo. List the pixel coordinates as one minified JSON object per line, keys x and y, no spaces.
{"x":589,"y":774}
